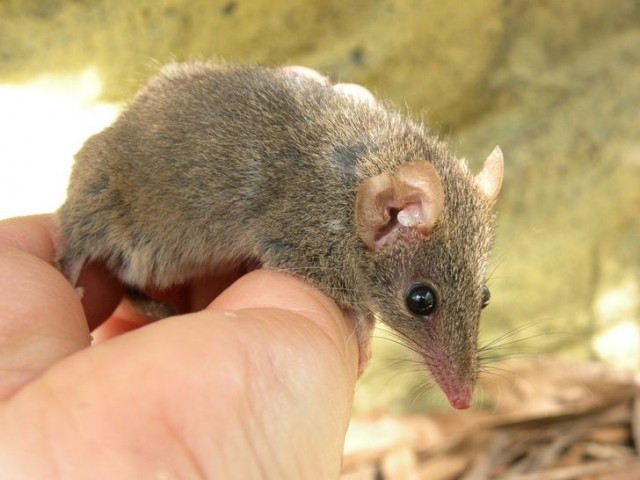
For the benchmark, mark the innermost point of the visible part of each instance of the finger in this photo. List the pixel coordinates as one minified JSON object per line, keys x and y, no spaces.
{"x":41,"y":319}
{"x":101,"y":293}
{"x":215,"y":394}
{"x":185,"y":298}
{"x":39,"y":235}
{"x":35,"y":235}
{"x":255,"y":290}
{"x":124,"y":319}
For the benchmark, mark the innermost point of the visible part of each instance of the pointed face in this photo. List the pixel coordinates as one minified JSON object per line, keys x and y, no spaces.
{"x":430,"y":236}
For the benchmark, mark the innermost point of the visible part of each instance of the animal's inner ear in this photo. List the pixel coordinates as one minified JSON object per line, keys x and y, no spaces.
{"x":410,"y":197}
{"x":412,"y":214}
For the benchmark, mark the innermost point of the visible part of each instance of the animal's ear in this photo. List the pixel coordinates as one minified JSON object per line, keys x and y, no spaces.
{"x":489,"y":180}
{"x":410,"y":197}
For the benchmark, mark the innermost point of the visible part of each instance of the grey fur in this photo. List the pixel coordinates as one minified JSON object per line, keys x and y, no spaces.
{"x":213,"y":165}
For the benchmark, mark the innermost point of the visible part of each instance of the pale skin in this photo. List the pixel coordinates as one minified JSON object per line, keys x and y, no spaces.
{"x":257,"y":383}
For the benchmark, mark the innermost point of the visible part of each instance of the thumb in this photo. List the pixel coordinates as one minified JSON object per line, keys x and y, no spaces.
{"x":260,"y":384}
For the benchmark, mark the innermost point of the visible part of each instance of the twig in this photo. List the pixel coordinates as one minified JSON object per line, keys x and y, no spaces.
{"x":579,"y":471}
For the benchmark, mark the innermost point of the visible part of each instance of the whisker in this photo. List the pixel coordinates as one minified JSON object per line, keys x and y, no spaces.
{"x":507,"y":334}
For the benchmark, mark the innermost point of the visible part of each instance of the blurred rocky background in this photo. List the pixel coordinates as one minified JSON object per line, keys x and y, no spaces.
{"x":556,"y":83}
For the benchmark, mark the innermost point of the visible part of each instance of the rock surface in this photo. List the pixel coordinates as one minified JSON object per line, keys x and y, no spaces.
{"x":556,"y":84}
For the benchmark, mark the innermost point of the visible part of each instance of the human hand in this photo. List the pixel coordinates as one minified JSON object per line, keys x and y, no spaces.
{"x":259,"y":384}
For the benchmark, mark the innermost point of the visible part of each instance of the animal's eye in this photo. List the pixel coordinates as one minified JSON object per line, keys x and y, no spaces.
{"x":486,"y":296}
{"x":421,"y":299}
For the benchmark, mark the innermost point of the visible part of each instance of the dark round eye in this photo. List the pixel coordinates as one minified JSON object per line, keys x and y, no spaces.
{"x":486,"y":296}
{"x":421,"y":299}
